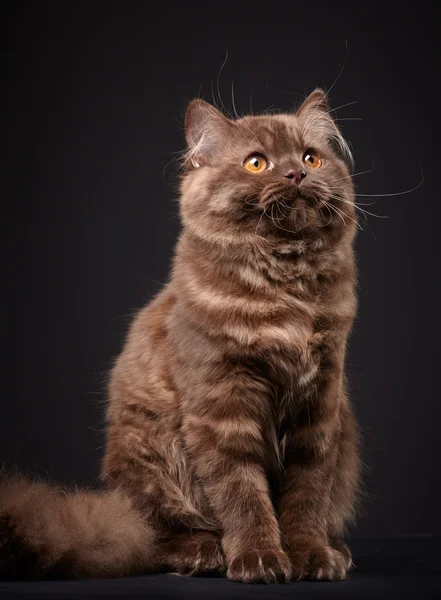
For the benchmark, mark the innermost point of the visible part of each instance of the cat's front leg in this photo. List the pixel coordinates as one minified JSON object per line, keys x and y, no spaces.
{"x":226,"y":439}
{"x":305,"y":502}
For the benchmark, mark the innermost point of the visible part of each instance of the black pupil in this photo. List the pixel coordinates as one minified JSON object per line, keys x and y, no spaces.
{"x":310,"y":158}
{"x":255,"y":163}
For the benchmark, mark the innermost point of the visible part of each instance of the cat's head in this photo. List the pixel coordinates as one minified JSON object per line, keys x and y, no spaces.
{"x":270,"y":175}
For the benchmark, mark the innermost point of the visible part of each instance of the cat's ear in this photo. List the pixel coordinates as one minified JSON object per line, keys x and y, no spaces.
{"x":316,"y":119}
{"x":205,"y":129}
{"x":316,"y":101}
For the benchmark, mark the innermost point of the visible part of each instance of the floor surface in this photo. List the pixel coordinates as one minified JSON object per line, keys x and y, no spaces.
{"x":403,"y":567}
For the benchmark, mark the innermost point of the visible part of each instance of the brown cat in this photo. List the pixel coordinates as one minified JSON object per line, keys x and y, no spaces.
{"x":231,"y":445}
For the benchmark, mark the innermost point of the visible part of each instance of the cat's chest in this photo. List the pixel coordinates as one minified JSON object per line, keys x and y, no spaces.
{"x":294,"y":366}
{"x":294,"y":378}
{"x":295,"y":361}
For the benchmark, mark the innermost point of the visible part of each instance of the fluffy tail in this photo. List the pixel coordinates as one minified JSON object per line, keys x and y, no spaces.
{"x":46,"y":531}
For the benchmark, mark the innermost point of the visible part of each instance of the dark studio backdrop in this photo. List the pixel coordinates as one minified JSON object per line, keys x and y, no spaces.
{"x":95,"y":95}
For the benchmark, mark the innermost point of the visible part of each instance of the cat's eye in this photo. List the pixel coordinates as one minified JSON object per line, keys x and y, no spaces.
{"x":312,"y":159}
{"x":255,"y":164}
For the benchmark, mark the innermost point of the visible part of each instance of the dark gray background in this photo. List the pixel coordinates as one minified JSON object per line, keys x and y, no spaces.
{"x":95,"y":95}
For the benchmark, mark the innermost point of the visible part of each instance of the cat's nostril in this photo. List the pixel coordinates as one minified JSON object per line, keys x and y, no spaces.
{"x":296,"y":175}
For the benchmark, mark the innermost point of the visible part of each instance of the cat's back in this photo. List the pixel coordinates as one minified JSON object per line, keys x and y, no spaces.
{"x":144,"y":363}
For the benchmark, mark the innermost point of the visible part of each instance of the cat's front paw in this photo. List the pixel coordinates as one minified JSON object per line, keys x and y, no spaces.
{"x":320,"y":562}
{"x":260,"y":566}
{"x":197,"y":553}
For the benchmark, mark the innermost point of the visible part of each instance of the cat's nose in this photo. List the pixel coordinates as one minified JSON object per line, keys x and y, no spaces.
{"x":295,"y":176}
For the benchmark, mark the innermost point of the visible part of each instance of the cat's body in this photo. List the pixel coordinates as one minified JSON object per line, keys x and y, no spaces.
{"x":229,"y":427}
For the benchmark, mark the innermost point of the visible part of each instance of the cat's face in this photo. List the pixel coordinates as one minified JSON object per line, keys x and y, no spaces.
{"x":272,"y":175}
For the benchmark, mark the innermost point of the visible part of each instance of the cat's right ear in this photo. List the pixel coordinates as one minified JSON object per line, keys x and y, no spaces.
{"x":206,"y":129}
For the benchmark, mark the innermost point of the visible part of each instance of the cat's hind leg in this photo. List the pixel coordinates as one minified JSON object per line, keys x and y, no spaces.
{"x":144,"y":457}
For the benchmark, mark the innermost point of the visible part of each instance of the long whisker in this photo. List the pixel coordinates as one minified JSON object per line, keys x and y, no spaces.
{"x":279,"y":226}
{"x":371,"y":214}
{"x":280,"y":200}
{"x":353,"y":175}
{"x":232,"y":100}
{"x":247,"y":200}
{"x":276,"y":206}
{"x":333,"y":208}
{"x":330,"y":215}
{"x":348,"y":119}
{"x":364,"y":211}
{"x":395,"y":193}
{"x":344,"y":106}
{"x":281,"y":216}
{"x":341,"y":70}
{"x":218,"y":81}
{"x":336,"y":190}
{"x":371,"y":170}
{"x":350,"y":218}
{"x":365,"y":222}
{"x":280,"y":206}
{"x":291,"y":93}
{"x":327,"y":207}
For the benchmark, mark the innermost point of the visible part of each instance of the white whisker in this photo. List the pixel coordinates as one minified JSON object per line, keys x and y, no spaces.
{"x":389,"y":195}
{"x":277,"y":225}
{"x":232,"y":100}
{"x":366,"y":212}
{"x":349,"y":217}
{"x":327,"y":207}
{"x":344,"y":106}
{"x":350,"y":176}
{"x":341,"y":70}
{"x":330,"y":215}
{"x":333,"y":208}
{"x":218,"y":80}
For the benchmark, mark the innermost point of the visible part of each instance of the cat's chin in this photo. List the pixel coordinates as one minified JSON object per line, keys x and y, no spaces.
{"x":295,"y":198}
{"x":302,"y":214}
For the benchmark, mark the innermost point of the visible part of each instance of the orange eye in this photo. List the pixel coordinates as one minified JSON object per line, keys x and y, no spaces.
{"x":255,"y":164}
{"x":312,"y":159}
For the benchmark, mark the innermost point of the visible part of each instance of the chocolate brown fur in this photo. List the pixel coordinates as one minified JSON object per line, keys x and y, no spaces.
{"x":231,"y":444}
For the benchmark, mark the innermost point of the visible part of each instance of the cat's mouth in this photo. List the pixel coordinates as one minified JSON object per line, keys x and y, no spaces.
{"x":289,"y":196}
{"x":274,"y":194}
{"x":291,"y":208}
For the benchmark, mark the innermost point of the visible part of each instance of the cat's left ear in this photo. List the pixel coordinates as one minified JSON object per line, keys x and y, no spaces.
{"x":316,"y":101}
{"x":316,"y":119}
{"x":206,"y":129}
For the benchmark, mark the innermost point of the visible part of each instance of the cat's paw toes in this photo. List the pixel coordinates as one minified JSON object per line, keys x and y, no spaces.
{"x":208,"y":557}
{"x":260,"y":566}
{"x":341,"y":547}
{"x":320,"y":563}
{"x":199,"y":553}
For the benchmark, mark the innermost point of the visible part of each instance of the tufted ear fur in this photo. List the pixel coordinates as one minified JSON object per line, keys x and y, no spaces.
{"x":315,"y":115}
{"x":316,"y":101}
{"x":206,"y":129}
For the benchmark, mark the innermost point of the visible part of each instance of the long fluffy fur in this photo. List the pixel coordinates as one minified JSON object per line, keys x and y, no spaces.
{"x":49,"y":531}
